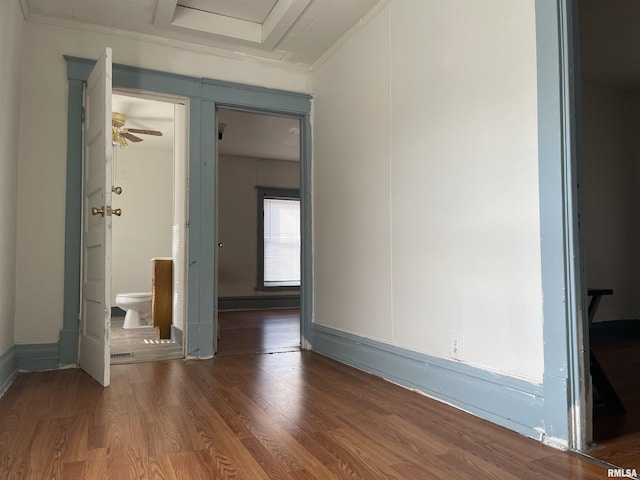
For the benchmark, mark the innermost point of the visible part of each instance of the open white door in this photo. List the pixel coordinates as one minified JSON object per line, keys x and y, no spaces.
{"x":95,"y":311}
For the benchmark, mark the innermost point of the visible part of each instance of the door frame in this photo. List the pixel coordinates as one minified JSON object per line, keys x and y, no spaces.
{"x":305,"y":216}
{"x":566,"y":379}
{"x":204,"y":96}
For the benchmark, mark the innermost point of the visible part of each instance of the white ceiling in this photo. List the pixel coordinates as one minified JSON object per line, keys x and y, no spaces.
{"x":289,"y":31}
{"x":245,"y":134}
{"x":259,"y":136}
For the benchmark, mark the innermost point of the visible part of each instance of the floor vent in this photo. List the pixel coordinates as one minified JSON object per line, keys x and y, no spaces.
{"x":121,"y":355}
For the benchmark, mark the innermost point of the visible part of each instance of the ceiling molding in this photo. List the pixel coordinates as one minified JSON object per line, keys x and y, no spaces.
{"x":280,"y":20}
{"x":164,"y":12}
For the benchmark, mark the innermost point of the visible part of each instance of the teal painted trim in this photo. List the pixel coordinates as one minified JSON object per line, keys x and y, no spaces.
{"x":564,"y":303}
{"x":255,"y":98}
{"x":194,"y":237}
{"x":258,"y":302}
{"x":37,"y":357}
{"x":8,"y":369}
{"x":73,"y":218}
{"x":69,"y":342}
{"x":306,"y":247}
{"x":78,"y":68}
{"x":128,"y":77}
{"x":506,"y":401}
{"x":199,"y":340}
{"x":207,"y":203}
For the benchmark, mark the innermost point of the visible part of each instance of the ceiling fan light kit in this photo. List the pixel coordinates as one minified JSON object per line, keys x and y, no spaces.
{"x":120,"y":134}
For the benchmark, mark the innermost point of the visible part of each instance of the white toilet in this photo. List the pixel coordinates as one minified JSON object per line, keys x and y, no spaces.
{"x":138,"y":308}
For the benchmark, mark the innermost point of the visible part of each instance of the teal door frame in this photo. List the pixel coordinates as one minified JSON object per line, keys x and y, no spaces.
{"x":566,"y":380}
{"x":204,"y":96}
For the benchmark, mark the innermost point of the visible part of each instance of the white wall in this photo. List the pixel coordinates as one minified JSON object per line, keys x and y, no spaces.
{"x":237,"y":217}
{"x":145,"y":229}
{"x":425,"y":185}
{"x":40,"y":254}
{"x":611,"y":199}
{"x":11,"y":26}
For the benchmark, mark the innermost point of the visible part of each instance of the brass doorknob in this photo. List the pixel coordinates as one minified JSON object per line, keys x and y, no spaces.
{"x":97,"y":211}
{"x":117,"y":212}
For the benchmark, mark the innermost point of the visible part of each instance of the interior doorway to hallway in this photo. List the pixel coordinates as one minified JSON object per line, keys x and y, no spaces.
{"x":608,"y":125}
{"x":258,"y":225}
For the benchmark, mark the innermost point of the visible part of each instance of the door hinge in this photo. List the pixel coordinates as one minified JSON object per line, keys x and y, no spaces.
{"x":83,"y":114}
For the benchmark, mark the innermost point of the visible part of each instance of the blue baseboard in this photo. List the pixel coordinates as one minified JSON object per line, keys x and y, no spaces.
{"x":8,"y":369}
{"x":37,"y":357}
{"x":258,"y":302}
{"x":510,"y":402}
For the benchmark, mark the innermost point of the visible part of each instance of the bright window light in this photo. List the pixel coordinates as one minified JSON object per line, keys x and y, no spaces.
{"x":281,"y":242}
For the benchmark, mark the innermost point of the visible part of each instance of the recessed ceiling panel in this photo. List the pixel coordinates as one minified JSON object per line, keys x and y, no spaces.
{"x":249,"y":10}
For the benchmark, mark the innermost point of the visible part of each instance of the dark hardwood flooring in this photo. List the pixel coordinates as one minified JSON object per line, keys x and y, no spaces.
{"x":294,"y":415}
{"x":617,"y":436}
{"x":259,"y":331}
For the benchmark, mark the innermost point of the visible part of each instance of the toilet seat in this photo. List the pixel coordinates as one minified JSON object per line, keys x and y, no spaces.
{"x":134,"y":295}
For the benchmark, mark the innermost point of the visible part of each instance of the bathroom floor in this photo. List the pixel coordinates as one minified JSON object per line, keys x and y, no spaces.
{"x":140,"y":344}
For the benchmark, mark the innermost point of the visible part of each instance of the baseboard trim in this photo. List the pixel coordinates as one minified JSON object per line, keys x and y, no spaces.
{"x":37,"y":357}
{"x":177,"y":335}
{"x":8,"y":369}
{"x":507,"y":401}
{"x":258,"y":302}
{"x":615,"y":330}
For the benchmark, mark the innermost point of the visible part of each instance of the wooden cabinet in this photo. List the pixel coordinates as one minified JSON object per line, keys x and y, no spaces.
{"x":162,"y":295}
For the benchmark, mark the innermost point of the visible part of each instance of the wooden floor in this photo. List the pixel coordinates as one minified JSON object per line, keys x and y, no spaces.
{"x":259,"y":331}
{"x":618,"y":436}
{"x":292,"y":416}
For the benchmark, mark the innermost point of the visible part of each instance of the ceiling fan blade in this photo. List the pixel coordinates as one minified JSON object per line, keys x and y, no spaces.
{"x":145,"y":132}
{"x":128,"y":136}
{"x":118,"y":119}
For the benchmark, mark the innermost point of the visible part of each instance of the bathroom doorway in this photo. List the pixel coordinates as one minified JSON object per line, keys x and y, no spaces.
{"x":149,"y":237}
{"x":258,"y":232}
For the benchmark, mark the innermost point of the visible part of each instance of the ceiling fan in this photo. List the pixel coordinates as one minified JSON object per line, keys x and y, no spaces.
{"x":120,"y":134}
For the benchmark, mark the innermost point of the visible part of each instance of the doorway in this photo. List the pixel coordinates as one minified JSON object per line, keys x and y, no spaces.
{"x":609,"y":107}
{"x":204,"y":95}
{"x":148,"y":239}
{"x":258,"y":254}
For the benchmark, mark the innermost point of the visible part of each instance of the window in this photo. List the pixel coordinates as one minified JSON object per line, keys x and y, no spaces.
{"x":278,"y":239}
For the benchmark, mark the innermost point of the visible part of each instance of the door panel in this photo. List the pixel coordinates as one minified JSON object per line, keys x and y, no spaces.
{"x":95,"y":312}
